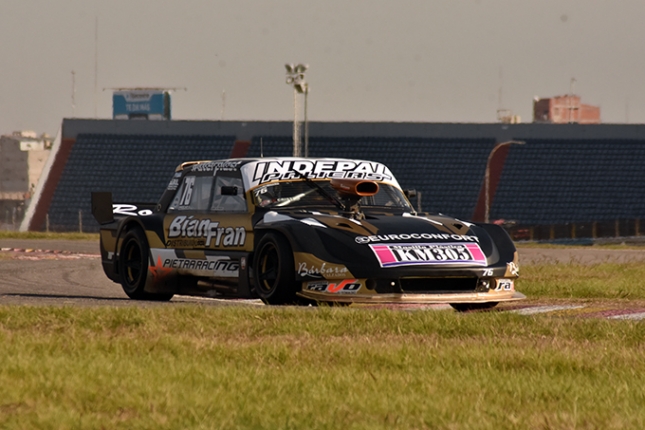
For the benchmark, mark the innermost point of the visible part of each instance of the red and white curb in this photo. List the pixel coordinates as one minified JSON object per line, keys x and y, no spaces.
{"x":46,"y":254}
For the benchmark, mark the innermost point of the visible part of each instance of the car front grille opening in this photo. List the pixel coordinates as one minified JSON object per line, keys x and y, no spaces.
{"x":438,"y":285}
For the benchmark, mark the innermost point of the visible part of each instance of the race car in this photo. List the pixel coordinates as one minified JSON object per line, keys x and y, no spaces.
{"x":300,"y":231}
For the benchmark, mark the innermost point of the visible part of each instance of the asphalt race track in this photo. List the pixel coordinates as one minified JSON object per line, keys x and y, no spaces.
{"x":69,"y":273}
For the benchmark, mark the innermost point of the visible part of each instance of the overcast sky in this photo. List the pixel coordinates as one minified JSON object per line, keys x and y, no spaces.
{"x":377,"y":60}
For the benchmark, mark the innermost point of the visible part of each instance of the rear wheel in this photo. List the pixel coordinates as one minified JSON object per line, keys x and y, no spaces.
{"x":274,"y":271}
{"x":465,"y":307}
{"x":133,"y":267}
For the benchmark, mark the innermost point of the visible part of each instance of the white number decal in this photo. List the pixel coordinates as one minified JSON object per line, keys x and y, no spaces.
{"x":189,"y":183}
{"x":488,"y":272}
{"x":129,"y":210}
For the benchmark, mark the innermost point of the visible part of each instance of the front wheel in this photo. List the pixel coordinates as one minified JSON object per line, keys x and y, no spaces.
{"x":465,"y":307}
{"x":274,"y":271}
{"x":133,"y":267}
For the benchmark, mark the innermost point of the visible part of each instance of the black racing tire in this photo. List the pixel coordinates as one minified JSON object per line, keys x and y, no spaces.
{"x":465,"y":307}
{"x":133,"y":267}
{"x":274,"y":271}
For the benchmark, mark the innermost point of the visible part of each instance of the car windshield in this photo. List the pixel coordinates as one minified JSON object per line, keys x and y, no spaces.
{"x":300,"y":193}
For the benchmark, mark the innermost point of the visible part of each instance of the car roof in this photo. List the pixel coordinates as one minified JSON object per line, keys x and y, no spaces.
{"x":260,"y":171}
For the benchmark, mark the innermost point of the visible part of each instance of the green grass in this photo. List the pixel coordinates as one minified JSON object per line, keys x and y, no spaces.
{"x":583,"y":281}
{"x":239,"y":367}
{"x":44,"y":235}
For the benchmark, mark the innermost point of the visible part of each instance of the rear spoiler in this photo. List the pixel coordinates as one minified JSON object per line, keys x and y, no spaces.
{"x":105,"y":211}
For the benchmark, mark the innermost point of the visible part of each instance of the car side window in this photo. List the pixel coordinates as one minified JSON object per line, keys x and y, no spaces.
{"x":228,"y":193}
{"x":193,"y":194}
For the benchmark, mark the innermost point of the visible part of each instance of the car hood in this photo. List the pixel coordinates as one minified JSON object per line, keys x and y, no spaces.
{"x":364,"y":243}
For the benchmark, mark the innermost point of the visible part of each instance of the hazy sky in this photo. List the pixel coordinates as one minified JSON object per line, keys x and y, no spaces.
{"x":378,"y":60}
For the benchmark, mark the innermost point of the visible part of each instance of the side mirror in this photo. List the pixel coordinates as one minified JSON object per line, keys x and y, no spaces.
{"x":410,"y":194}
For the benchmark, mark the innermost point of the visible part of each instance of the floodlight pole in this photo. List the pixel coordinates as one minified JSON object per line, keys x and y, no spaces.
{"x":296,"y":77}
{"x":296,"y":132}
{"x":306,"y":123}
{"x":73,"y":94}
{"x":487,"y":174}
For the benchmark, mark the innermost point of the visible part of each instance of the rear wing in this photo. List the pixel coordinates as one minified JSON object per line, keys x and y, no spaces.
{"x":105,"y":211}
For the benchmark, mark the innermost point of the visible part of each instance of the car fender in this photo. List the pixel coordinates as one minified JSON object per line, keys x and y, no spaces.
{"x":503,"y":242}
{"x":151,"y":225}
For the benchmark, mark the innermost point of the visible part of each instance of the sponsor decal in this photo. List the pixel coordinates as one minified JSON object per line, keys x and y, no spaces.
{"x":191,"y":227}
{"x":346,"y":286}
{"x":321,"y":271}
{"x":173,"y":184}
{"x":158,"y":270}
{"x":405,"y":236}
{"x":185,"y":243}
{"x":505,"y":285}
{"x":513,"y":268}
{"x":428,"y":254}
{"x":208,"y":265}
{"x":321,"y":169}
{"x":214,"y":166}
{"x":129,"y":210}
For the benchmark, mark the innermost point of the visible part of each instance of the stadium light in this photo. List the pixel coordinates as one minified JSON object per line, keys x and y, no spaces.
{"x":296,"y":78}
{"x":487,"y":174}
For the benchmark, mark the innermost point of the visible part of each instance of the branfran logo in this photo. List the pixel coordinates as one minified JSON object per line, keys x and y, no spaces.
{"x":191,"y":227}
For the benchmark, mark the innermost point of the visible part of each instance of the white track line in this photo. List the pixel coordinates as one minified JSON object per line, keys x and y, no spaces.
{"x":635,"y":316}
{"x":256,"y":302}
{"x":545,"y":309}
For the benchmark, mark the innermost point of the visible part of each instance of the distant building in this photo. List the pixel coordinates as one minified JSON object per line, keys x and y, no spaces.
{"x":23,"y":155}
{"x":563,"y":110}
{"x":506,"y":116}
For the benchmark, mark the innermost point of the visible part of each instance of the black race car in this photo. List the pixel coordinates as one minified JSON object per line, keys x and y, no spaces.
{"x":295,"y":230}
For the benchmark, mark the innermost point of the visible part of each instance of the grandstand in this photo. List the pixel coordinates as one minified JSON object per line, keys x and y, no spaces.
{"x":565,"y":175}
{"x":134,"y":168}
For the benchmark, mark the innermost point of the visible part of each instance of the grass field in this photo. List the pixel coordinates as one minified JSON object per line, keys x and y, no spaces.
{"x":183,"y":366}
{"x":240,"y":367}
{"x":583,"y":281}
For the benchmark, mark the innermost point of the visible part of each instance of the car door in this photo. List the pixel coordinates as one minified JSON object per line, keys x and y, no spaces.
{"x":208,"y":226}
